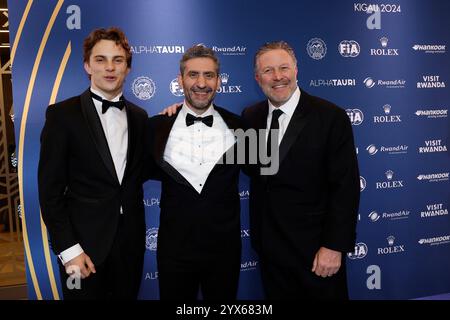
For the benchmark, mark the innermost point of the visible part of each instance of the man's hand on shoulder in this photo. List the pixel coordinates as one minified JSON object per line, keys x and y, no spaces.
{"x":172,"y":109}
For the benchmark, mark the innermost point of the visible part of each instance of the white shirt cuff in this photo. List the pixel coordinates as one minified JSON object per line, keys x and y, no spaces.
{"x":69,"y":254}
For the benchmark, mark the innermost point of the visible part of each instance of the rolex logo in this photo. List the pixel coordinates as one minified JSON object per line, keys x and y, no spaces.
{"x":389,"y":174}
{"x":225,"y":88}
{"x":390,"y":240}
{"x":387,"y":108}
{"x":389,"y":184}
{"x":224,"y":78}
{"x":384,"y":42}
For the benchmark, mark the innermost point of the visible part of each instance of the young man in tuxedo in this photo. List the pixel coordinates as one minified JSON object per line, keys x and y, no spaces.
{"x":303,"y":218}
{"x":199,"y":242}
{"x":90,"y":177}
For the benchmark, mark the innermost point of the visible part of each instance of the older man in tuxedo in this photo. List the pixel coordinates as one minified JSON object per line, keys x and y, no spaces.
{"x":303,"y":218}
{"x":199,"y":242}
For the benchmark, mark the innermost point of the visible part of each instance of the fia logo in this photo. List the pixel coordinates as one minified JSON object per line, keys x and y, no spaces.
{"x":176,"y":88}
{"x":349,"y":48}
{"x":356,"y":116}
{"x":360,"y":251}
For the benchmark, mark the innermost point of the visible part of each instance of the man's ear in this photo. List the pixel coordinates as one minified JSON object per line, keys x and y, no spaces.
{"x":219,"y":81}
{"x":180,"y":80}
{"x":257,"y":77}
{"x":87,"y":67}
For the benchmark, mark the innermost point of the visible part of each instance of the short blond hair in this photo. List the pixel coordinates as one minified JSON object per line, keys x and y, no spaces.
{"x":274,"y":45}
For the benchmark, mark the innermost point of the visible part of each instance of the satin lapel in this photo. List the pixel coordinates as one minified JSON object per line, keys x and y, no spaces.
{"x":258,"y":122}
{"x":296,"y":125}
{"x":261,"y":124}
{"x":232,"y":124}
{"x":162,"y":132}
{"x":97,"y":133}
{"x":171,"y":171}
{"x":132,"y":138}
{"x":261,"y":116}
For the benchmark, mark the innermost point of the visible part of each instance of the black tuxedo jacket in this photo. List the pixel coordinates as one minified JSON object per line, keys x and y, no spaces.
{"x":79,"y":192}
{"x":196,"y":226}
{"x":312,"y":201}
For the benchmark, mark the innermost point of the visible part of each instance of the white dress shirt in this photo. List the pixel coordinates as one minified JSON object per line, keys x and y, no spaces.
{"x":194,"y":151}
{"x":115,"y":126}
{"x":288,"y":110}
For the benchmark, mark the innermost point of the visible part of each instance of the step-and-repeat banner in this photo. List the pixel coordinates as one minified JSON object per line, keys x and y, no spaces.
{"x":385,"y":62}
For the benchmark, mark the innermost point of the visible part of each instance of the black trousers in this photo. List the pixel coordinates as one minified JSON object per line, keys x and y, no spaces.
{"x":295,"y":283}
{"x":216,"y":279}
{"x":119,"y":277}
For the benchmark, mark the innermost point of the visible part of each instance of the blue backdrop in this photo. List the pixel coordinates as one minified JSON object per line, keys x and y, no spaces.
{"x":386,"y":63}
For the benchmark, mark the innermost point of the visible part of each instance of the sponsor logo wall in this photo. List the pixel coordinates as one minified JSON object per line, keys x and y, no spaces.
{"x":365,"y":57}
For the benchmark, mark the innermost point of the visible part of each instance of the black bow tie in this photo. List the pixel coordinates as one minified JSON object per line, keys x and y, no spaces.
{"x":106,"y":103}
{"x":190,"y":119}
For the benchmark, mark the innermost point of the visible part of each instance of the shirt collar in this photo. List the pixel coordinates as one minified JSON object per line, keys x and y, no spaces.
{"x":185,"y":110}
{"x":290,"y":105}
{"x":116,"y":98}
